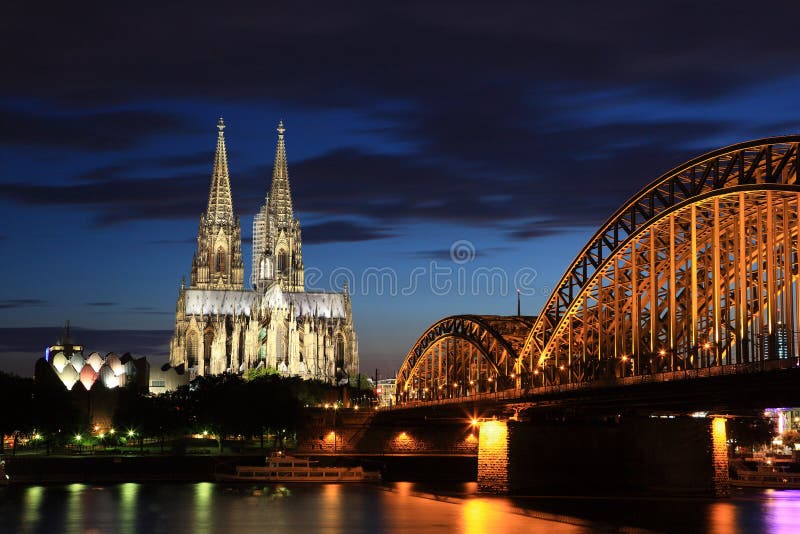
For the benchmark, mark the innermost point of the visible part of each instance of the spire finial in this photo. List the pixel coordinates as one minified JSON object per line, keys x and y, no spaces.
{"x":281,"y":129}
{"x":220,"y":125}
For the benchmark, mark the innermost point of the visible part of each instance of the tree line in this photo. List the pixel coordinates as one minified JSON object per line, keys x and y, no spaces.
{"x":221,"y":406}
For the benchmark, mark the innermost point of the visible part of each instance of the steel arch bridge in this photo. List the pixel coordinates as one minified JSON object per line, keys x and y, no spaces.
{"x":699,"y":270}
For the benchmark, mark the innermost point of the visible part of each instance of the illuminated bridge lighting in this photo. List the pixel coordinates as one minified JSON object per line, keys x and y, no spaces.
{"x":694,"y":272}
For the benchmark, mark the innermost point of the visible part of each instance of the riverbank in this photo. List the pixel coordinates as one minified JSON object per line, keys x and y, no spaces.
{"x":34,"y":469}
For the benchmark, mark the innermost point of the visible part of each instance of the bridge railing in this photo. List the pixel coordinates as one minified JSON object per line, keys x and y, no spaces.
{"x":688,"y":374}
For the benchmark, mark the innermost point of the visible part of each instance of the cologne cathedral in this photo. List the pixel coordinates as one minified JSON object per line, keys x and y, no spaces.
{"x":221,"y":326}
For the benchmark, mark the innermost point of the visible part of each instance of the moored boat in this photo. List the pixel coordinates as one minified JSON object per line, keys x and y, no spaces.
{"x":766,"y":475}
{"x":284,"y":468}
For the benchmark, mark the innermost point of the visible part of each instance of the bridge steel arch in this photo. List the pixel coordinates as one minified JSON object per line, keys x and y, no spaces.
{"x":699,"y":269}
{"x":463,"y":355}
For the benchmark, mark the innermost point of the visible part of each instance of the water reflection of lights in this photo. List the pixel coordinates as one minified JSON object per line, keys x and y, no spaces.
{"x":404,"y":488}
{"x":128,"y":497}
{"x":332,"y":504}
{"x":74,"y":516}
{"x":202,"y":506}
{"x":782,"y":510}
{"x":32,"y":502}
{"x":722,"y":517}
{"x":480,"y":515}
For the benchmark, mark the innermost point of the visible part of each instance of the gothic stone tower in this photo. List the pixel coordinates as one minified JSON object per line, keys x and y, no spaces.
{"x":277,"y":243}
{"x":217,"y":264}
{"x":207,"y":341}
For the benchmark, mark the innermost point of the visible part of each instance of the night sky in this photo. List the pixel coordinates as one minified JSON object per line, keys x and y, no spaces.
{"x":516,"y":127}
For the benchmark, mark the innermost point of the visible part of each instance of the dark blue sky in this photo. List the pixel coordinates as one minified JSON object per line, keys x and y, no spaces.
{"x":518,"y":127}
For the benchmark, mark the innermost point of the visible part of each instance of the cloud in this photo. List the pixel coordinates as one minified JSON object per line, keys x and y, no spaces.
{"x":92,"y":131}
{"x":101,"y":304}
{"x":572,"y":177}
{"x":21,"y":303}
{"x":381,"y":51}
{"x":337,"y":231}
{"x":506,"y":114}
{"x":447,"y":254}
{"x":148,"y":310}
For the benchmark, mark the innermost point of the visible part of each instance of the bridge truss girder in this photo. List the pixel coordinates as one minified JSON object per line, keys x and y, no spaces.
{"x":712,"y":282}
{"x":457,"y":356}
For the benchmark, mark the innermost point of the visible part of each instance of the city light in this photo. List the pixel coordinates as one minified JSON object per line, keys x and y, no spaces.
{"x":78,"y":437}
{"x":131,"y":433}
{"x":112,"y":431}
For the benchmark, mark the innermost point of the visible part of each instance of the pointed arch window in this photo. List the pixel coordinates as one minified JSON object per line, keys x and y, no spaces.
{"x":283,"y":261}
{"x":192,"y":344}
{"x":208,"y":341}
{"x":220,"y":266}
{"x":340,"y":351}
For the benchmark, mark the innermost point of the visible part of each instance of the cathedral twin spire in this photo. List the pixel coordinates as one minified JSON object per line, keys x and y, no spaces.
{"x":277,"y":254}
{"x":220,"y":205}
{"x":280,"y":194}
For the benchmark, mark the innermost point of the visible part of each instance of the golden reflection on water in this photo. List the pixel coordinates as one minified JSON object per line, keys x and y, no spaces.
{"x":722,"y":518}
{"x":332,"y":503}
{"x":480,"y":516}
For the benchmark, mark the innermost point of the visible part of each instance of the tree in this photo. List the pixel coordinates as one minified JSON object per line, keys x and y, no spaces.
{"x":753,"y":431}
{"x":16,"y":404}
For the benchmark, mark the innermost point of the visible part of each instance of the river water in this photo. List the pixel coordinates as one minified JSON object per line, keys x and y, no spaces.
{"x":400,"y":507}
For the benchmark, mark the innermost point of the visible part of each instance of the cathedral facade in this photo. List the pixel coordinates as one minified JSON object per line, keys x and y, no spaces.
{"x":222,"y":326}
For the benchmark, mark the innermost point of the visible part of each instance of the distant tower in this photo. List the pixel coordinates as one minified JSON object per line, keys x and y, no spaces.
{"x":277,"y":241}
{"x":218,"y":264}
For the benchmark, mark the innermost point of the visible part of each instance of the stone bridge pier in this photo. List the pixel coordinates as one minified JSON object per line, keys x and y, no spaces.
{"x":623,"y":455}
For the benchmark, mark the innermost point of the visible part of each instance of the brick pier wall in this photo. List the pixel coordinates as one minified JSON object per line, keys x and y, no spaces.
{"x":370,"y":432}
{"x":493,"y":457}
{"x":719,"y":454}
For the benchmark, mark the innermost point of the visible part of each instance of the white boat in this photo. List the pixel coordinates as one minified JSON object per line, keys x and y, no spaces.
{"x":766,"y":475}
{"x":283,"y":468}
